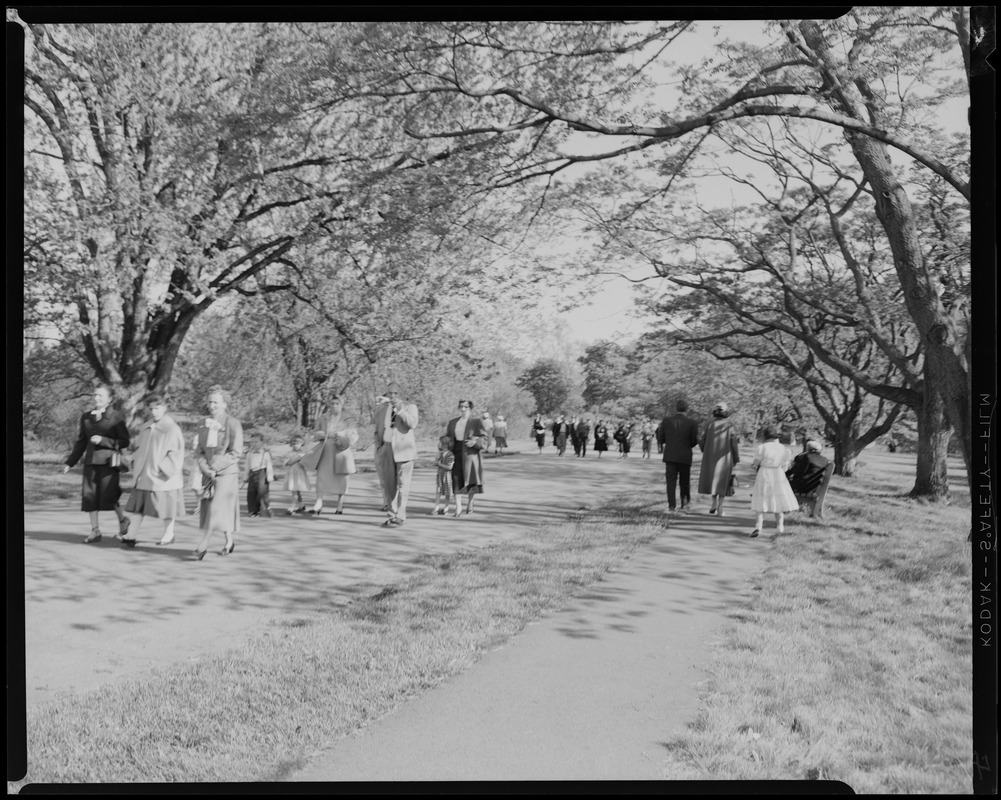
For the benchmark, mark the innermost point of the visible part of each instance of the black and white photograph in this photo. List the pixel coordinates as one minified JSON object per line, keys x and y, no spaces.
{"x":417,"y":400}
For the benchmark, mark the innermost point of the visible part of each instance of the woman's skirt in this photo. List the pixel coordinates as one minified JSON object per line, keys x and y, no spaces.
{"x":501,"y":441}
{"x":600,"y":445}
{"x":167,"y":504}
{"x":222,"y":512}
{"x":329,"y":483}
{"x":540,"y":439}
{"x":467,"y":472}
{"x":101,"y":490}
{"x":772,"y":492}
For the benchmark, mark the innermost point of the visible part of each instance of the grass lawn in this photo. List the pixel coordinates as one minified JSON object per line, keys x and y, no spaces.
{"x":852,"y":662}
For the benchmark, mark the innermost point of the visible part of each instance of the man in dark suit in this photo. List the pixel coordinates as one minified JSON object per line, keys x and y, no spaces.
{"x":807,"y":470}
{"x":676,"y":436}
{"x":583,"y":434}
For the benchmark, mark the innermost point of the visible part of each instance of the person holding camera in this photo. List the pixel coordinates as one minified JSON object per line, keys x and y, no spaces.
{"x":396,"y":449}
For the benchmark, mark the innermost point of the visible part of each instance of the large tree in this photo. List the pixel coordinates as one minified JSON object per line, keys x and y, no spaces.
{"x":865,"y":74}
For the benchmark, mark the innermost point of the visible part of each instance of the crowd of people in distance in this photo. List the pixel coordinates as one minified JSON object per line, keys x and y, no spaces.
{"x":580,"y":434}
{"x":324,"y":463}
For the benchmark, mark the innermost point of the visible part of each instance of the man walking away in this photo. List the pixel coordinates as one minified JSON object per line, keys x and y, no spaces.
{"x":677,"y":435}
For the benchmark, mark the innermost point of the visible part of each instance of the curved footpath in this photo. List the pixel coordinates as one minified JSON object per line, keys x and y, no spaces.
{"x":589,"y":692}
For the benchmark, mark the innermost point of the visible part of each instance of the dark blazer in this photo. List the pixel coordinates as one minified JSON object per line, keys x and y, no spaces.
{"x":114,"y":435}
{"x":678,"y":434}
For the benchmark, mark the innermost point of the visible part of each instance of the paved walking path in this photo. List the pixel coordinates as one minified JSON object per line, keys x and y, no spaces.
{"x":589,"y":692}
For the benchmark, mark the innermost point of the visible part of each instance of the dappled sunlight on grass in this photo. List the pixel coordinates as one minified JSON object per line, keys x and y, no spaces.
{"x":852,"y":662}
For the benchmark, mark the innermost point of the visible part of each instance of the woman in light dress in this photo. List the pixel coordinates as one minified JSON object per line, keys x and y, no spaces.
{"x":217,"y":454}
{"x":772,"y":492}
{"x":332,"y":458}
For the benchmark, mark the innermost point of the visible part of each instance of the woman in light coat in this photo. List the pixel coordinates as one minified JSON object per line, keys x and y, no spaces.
{"x":332,"y":458}
{"x":159,"y":469}
{"x":720,"y":454}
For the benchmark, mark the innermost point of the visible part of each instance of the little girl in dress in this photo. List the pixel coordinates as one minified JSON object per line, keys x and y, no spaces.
{"x":443,"y":479}
{"x":772,"y":492}
{"x":296,"y":479}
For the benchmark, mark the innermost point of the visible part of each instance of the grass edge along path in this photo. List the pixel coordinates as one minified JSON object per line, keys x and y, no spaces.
{"x":852,"y":663}
{"x":262,"y":711}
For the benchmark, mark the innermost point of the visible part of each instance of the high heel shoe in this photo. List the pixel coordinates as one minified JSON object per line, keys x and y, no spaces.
{"x":227,"y":549}
{"x":123,"y":528}
{"x":198,"y":555}
{"x":166,"y":541}
{"x":95,"y":536}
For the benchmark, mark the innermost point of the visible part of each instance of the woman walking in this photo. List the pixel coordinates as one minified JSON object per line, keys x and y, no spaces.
{"x":469,"y":440}
{"x":220,"y":445}
{"x":720,"y":454}
{"x":159,"y":469}
{"x":772,"y":492}
{"x":102,"y":437}
{"x":600,"y":438}
{"x":333,"y":459}
{"x":539,"y":432}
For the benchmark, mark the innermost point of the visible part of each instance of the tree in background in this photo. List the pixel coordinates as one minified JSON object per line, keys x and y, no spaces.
{"x":547,"y":381}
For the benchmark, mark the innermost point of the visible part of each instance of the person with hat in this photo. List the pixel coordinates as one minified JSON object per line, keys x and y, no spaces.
{"x":720,"y":454}
{"x":807,"y":470}
{"x":396,"y":449}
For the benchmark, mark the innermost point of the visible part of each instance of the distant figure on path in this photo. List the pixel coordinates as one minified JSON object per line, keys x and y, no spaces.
{"x":539,"y":432}
{"x":676,"y":436}
{"x":583,"y":434}
{"x":488,"y":429}
{"x":720,"y":454}
{"x":159,"y":469}
{"x":600,"y":438}
{"x":772,"y":492}
{"x":561,"y":430}
{"x":807,"y":470}
{"x":333,"y":458}
{"x":102,"y":435}
{"x":500,"y":434}
{"x":574,"y":440}
{"x":646,"y":438}
{"x":220,"y":446}
{"x":259,"y":474}
{"x":395,"y":421}
{"x":469,"y":440}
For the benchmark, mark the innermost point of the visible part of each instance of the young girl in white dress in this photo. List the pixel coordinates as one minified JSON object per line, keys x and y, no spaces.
{"x":772,"y":492}
{"x":296,"y":479}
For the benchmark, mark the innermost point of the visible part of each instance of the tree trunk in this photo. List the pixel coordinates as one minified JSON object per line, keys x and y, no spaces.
{"x":846,"y":446}
{"x":934,"y":432}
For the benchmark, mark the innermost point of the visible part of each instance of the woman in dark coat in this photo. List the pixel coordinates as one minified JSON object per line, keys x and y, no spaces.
{"x":720,"y":453}
{"x":539,"y":432}
{"x":470,"y":439}
{"x":600,"y":437}
{"x":102,"y":434}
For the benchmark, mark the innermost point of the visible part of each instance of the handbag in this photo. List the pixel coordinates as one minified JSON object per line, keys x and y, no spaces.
{"x":731,"y":488}
{"x":120,"y":461}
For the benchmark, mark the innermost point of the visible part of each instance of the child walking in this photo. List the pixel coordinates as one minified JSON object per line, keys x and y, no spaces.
{"x":443,"y":480}
{"x":772,"y":492}
{"x":296,"y":479}
{"x":259,"y":473}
